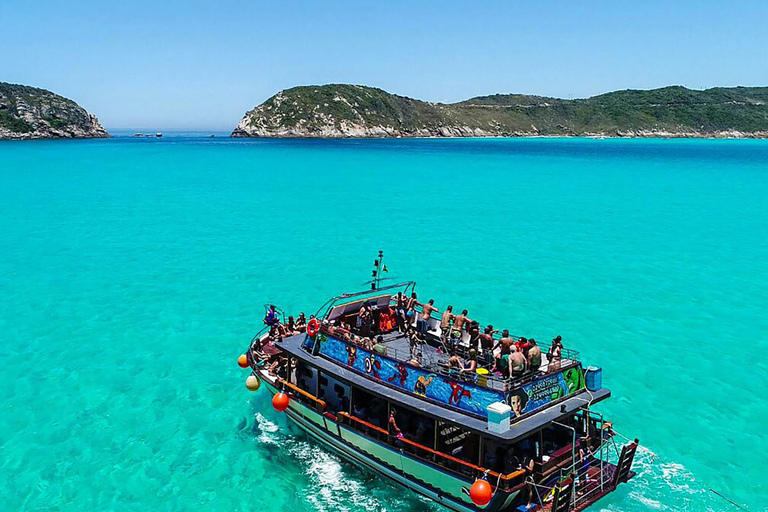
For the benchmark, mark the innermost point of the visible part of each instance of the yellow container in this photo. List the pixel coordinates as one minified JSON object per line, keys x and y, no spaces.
{"x":482,"y":376}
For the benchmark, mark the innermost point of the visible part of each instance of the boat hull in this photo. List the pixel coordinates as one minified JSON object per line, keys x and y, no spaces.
{"x":399,"y":467}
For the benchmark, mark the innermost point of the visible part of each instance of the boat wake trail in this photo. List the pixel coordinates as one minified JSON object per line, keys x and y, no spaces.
{"x":332,"y":484}
{"x":666,"y":486}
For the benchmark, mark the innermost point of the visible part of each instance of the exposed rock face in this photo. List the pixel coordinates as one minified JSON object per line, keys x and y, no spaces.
{"x":32,"y":113}
{"x":340,"y":110}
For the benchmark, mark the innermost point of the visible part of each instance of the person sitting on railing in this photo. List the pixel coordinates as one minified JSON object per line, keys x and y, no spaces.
{"x":271,"y":318}
{"x":422,"y":324}
{"x":301,"y":323}
{"x":517,"y":363}
{"x":379,"y":347}
{"x":455,"y":364}
{"x":534,"y":356}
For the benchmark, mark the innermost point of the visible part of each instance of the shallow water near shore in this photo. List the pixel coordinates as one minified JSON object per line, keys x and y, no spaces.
{"x":133,"y":273}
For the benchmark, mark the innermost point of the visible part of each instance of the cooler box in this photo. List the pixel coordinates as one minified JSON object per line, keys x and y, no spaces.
{"x":498,"y":417}
{"x":594,"y":378}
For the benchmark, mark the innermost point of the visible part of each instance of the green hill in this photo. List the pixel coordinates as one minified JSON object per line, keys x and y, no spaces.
{"x":32,"y":113}
{"x":340,"y":110}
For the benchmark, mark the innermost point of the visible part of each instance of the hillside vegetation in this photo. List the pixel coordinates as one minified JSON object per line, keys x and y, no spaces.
{"x":32,"y":113}
{"x":340,"y":110}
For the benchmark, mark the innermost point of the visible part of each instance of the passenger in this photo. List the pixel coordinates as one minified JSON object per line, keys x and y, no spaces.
{"x":459,"y":321}
{"x":379,"y":347}
{"x":470,"y":366}
{"x":416,"y":341}
{"x":410,"y":310}
{"x":502,"y":348}
{"x":474,"y":335}
{"x":522,"y":346}
{"x":426,"y":314}
{"x":486,"y":344}
{"x":359,"y":410}
{"x":343,"y":401}
{"x":290,"y":327}
{"x":455,"y":364}
{"x":392,"y":427}
{"x":271,"y":318}
{"x":534,"y":356}
{"x":516,"y":363}
{"x":301,"y":323}
{"x":365,"y":320}
{"x":415,"y":361}
{"x":555,"y":354}
{"x":400,"y":307}
{"x":446,"y":320}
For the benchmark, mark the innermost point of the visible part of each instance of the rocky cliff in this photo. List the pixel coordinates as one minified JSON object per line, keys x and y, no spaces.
{"x":340,"y":110}
{"x":32,"y":113}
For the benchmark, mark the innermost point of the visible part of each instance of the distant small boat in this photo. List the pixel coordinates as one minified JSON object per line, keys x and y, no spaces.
{"x":148,"y":135}
{"x":158,"y":135}
{"x":137,"y":135}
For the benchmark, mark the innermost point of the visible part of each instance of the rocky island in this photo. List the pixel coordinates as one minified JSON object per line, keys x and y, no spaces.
{"x":32,"y":113}
{"x":340,"y":110}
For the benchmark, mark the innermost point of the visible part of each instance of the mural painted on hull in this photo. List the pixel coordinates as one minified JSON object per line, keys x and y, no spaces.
{"x":466,"y":396}
{"x":540,"y":392}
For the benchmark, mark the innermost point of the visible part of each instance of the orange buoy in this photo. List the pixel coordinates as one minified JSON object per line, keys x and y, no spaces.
{"x":243,"y":361}
{"x":252,"y":383}
{"x":481,"y":493}
{"x":280,"y":401}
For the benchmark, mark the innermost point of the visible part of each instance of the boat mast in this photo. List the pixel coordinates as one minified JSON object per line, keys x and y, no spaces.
{"x":377,"y":269}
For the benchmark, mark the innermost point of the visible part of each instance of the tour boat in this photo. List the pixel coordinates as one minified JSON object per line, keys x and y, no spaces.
{"x":469,"y":440}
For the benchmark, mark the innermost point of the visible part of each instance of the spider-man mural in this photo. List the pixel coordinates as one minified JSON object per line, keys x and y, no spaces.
{"x":458,"y":392}
{"x":402,"y":373}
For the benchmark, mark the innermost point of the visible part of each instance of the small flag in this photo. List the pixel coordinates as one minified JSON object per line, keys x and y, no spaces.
{"x":384,"y":269}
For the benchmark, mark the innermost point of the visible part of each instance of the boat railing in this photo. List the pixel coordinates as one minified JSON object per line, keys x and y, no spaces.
{"x":303,"y":396}
{"x":445,"y":461}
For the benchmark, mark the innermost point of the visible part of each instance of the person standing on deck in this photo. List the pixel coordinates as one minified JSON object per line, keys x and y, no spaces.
{"x":459,"y":321}
{"x":534,"y":356}
{"x":446,"y":320}
{"x":517,"y":363}
{"x":422,"y":323}
{"x":486,"y":343}
{"x":400,"y":307}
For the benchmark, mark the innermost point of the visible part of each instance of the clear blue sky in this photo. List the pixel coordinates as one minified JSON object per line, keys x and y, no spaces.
{"x":171,"y":64}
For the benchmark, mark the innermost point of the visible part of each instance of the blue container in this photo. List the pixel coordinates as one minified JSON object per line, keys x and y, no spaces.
{"x":594,"y":378}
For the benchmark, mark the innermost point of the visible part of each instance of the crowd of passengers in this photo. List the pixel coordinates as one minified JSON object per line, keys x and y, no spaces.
{"x":506,"y":356}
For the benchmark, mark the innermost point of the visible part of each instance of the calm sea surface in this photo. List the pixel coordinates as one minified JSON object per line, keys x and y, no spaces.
{"x":133,"y":273}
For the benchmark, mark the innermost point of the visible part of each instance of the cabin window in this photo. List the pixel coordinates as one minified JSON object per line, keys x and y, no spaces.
{"x":370,"y":408}
{"x":416,"y":427}
{"x":457,"y":442}
{"x":334,"y":393}
{"x":306,"y":378}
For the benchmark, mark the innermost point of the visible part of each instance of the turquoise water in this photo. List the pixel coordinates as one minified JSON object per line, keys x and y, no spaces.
{"x":133,"y":273}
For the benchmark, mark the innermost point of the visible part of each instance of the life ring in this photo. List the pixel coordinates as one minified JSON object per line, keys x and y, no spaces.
{"x":313,"y":327}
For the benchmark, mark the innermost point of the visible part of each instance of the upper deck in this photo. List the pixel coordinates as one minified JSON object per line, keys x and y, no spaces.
{"x":423,"y":369}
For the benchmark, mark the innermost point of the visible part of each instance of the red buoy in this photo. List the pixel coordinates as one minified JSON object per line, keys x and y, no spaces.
{"x":280,"y":402}
{"x":243,"y":361}
{"x":481,"y":493}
